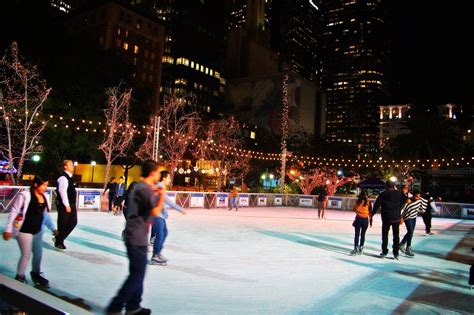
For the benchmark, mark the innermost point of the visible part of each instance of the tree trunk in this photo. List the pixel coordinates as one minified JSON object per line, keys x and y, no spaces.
{"x":107,"y":170}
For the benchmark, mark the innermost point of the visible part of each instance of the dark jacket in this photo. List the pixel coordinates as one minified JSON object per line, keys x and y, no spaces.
{"x":390,"y":202}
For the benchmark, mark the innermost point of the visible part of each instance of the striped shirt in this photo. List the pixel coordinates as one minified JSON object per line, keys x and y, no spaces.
{"x":411,"y":210}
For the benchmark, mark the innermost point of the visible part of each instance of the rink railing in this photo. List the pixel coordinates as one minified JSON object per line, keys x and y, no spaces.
{"x":94,"y":199}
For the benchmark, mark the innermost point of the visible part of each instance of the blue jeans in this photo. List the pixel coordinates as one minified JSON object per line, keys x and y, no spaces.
{"x":159,"y":230}
{"x":360,"y":226}
{"x":410,"y":224}
{"x":130,"y":295}
{"x":233,"y":203}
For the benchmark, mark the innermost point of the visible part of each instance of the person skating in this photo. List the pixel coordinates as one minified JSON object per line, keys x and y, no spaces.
{"x":119,"y":196}
{"x":428,"y":214}
{"x":28,"y":215}
{"x":409,"y":214}
{"x":159,"y":228}
{"x":322,"y":201}
{"x":233,"y":199}
{"x":144,"y":203}
{"x":66,"y":204}
{"x":363,"y":209}
{"x":390,"y":202}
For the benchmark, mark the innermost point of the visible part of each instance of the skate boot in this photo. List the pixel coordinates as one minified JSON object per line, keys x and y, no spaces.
{"x":158,"y":260}
{"x":354,"y":251}
{"x":409,"y":252}
{"x":39,"y":280}
{"x":361,"y":249}
{"x":21,"y":279}
{"x":402,"y":248}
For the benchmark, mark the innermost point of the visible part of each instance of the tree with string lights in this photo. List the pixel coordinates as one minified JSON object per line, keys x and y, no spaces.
{"x":119,"y":131}
{"x":308,"y":179}
{"x":222,"y":146}
{"x":179,"y":125}
{"x":22,"y":95}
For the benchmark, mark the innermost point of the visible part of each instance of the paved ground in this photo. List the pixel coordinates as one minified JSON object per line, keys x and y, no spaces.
{"x":264,"y":261}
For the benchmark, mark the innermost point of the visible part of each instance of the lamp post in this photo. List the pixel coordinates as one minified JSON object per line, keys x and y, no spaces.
{"x":93,"y":163}
{"x":36,"y":158}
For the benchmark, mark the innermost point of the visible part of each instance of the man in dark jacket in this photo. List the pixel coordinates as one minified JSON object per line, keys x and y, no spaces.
{"x":390,"y":201}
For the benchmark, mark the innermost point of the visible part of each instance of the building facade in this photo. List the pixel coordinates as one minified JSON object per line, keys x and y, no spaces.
{"x":354,"y":74}
{"x":392,"y":122}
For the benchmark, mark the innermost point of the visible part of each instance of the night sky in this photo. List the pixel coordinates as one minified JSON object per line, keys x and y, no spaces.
{"x":431,"y":61}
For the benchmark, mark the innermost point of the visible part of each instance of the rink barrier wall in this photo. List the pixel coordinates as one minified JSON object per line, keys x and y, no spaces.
{"x":95,"y":200}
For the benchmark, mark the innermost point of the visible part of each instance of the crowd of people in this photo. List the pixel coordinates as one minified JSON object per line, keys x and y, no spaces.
{"x":146,"y":203}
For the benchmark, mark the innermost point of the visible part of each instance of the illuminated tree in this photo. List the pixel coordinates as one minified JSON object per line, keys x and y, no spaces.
{"x":22,"y":95}
{"x":179,"y":124}
{"x":119,"y":131}
{"x":308,"y":179}
{"x":222,"y":147}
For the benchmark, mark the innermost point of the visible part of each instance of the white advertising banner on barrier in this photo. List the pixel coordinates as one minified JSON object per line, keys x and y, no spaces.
{"x":243,"y":200}
{"x":334,"y":203}
{"x":197,"y":201}
{"x":468,"y":212}
{"x":89,"y":199}
{"x":306,"y":202}
{"x":262,"y":200}
{"x":278,"y":201}
{"x":222,"y":200}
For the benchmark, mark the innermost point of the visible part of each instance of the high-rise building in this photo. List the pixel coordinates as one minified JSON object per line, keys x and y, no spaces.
{"x":137,"y":40}
{"x":295,"y":29}
{"x":193,"y":50}
{"x":354,"y":73}
{"x":393,"y":119}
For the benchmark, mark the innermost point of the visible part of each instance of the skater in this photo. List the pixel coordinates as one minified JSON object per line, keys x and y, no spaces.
{"x":66,"y":203}
{"x":390,"y":202}
{"x":363,"y":209}
{"x":145,"y":202}
{"x":27,"y":217}
{"x":322,"y":200}
{"x":409,"y":213}
{"x":159,"y":230}
{"x":234,"y":195}
{"x":127,"y":198}
{"x":427,"y":216}
{"x":111,"y":187}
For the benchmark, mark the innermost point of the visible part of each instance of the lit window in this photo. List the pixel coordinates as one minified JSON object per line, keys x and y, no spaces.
{"x":125,"y":46}
{"x":138,"y":26}
{"x":197,"y":66}
{"x":126,"y":33}
{"x":118,"y":31}
{"x":181,"y":81}
{"x":168,"y":59}
{"x":208,"y":109}
{"x":202,"y":68}
{"x":217,"y":74}
{"x":192,"y":64}
{"x":135,"y":49}
{"x":252,"y":134}
{"x":222,"y":80}
{"x":207,"y":70}
{"x":211,"y":72}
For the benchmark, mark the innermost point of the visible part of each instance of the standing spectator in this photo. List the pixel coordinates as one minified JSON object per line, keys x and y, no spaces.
{"x":322,"y":201}
{"x":66,"y":203}
{"x":159,"y":230}
{"x":234,"y":196}
{"x":428,"y":215}
{"x":119,"y":196}
{"x":26,"y":219}
{"x":409,"y":213}
{"x":145,"y":202}
{"x":111,"y":187}
{"x":363,"y":209}
{"x":390,"y":201}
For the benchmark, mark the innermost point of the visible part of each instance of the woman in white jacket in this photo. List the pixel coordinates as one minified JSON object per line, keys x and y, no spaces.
{"x":26,"y":219}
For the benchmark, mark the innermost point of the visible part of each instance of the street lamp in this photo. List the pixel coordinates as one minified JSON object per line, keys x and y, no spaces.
{"x":36,"y":158}
{"x":93,"y":163}
{"x":393,"y":179}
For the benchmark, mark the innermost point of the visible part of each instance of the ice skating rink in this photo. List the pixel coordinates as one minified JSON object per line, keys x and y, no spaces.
{"x":263,"y":261}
